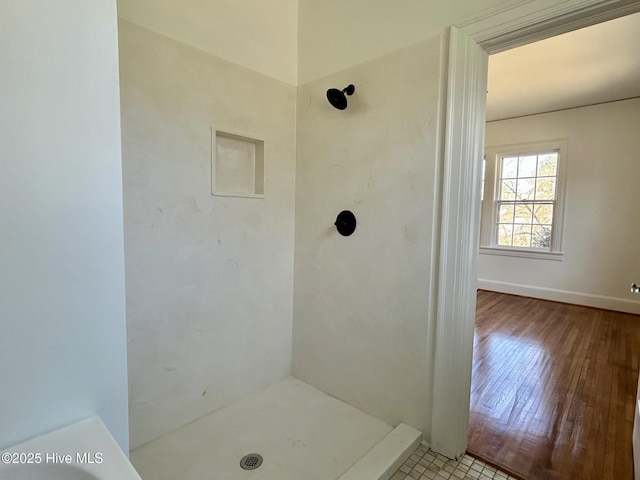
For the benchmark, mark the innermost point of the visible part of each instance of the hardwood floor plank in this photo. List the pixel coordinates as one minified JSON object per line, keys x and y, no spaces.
{"x":553,"y":388}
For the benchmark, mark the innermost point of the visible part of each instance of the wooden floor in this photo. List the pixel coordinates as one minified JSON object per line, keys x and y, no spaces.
{"x":553,"y":388}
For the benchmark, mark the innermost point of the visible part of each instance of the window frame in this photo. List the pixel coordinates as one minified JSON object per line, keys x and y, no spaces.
{"x":489,"y":204}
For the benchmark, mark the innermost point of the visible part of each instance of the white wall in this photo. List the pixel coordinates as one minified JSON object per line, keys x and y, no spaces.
{"x":62,"y":339}
{"x":257,"y":34}
{"x":361,"y":302}
{"x":601,"y":225}
{"x":209,"y":279}
{"x":337,"y":34}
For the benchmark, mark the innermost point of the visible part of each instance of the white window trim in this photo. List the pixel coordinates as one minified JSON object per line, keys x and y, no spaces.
{"x":488,"y":241}
{"x":520,"y":252}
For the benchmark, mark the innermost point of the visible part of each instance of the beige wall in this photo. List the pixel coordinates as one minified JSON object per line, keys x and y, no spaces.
{"x":600,"y":218}
{"x":257,"y":34}
{"x":299,"y":40}
{"x":209,"y":279}
{"x":338,"y":34}
{"x":360,"y":304}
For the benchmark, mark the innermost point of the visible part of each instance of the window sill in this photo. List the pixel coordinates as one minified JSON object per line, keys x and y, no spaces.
{"x":515,"y":252}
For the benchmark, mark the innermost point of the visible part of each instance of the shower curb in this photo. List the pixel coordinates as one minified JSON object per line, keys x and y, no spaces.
{"x":387,"y":456}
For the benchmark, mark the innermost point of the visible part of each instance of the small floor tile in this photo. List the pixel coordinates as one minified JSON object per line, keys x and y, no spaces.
{"x":423,"y":464}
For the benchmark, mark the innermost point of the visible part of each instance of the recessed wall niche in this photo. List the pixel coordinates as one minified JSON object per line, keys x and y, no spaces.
{"x":237,"y":165}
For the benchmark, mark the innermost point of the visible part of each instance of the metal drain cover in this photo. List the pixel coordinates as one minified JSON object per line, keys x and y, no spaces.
{"x":251,"y":461}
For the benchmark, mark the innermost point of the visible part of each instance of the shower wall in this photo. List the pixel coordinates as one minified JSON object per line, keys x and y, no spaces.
{"x":209,"y":279}
{"x":361,"y":303}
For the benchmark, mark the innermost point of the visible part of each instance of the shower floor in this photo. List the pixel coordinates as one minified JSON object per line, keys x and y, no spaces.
{"x":299,"y":431}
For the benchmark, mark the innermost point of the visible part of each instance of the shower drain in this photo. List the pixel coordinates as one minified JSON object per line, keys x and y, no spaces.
{"x":251,"y":461}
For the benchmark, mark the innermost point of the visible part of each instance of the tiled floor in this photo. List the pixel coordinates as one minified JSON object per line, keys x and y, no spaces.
{"x":424,"y":464}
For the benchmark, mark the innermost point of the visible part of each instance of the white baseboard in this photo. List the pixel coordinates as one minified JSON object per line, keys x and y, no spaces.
{"x":576,"y":298}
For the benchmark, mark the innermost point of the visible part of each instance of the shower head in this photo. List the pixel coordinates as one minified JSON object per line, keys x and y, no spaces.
{"x":337,"y":98}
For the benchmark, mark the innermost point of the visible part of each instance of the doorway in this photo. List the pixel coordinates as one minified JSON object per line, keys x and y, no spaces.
{"x":469,"y":45}
{"x":540,"y":402}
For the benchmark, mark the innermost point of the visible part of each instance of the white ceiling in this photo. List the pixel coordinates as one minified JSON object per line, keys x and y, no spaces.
{"x":597,"y":64}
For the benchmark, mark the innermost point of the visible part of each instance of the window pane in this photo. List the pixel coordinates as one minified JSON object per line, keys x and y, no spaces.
{"x":522,"y":206}
{"x":505,"y":234}
{"x":541,"y":236}
{"x":524,"y":212}
{"x":543,"y":214}
{"x":547,"y":165}
{"x":505,"y":213}
{"x":522,"y":236}
{"x":528,"y":166}
{"x":509,"y":167}
{"x":507,"y":189}
{"x":526,"y":188}
{"x":546,"y":188}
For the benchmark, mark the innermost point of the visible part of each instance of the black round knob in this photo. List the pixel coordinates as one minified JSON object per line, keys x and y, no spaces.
{"x":345,"y":223}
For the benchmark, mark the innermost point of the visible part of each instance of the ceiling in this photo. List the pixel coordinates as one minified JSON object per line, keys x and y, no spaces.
{"x":592,"y":65}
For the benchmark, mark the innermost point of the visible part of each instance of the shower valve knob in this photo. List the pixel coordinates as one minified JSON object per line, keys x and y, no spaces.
{"x":345,"y":223}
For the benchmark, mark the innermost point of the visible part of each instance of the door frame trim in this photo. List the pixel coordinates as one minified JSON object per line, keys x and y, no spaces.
{"x":468,"y":45}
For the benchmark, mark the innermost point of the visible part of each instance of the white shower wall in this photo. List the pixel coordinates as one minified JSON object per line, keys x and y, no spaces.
{"x":361,"y":303}
{"x":212,"y":301}
{"x":209,"y":279}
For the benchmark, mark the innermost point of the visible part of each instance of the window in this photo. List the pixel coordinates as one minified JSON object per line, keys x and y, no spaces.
{"x":522,"y":200}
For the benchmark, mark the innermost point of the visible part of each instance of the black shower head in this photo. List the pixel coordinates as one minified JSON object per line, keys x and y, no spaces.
{"x":337,"y":98}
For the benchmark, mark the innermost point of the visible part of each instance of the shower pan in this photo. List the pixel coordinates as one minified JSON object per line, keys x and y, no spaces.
{"x":287,"y":431}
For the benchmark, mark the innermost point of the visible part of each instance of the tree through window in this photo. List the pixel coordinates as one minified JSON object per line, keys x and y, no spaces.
{"x":527,"y":193}
{"x":522,"y":198}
